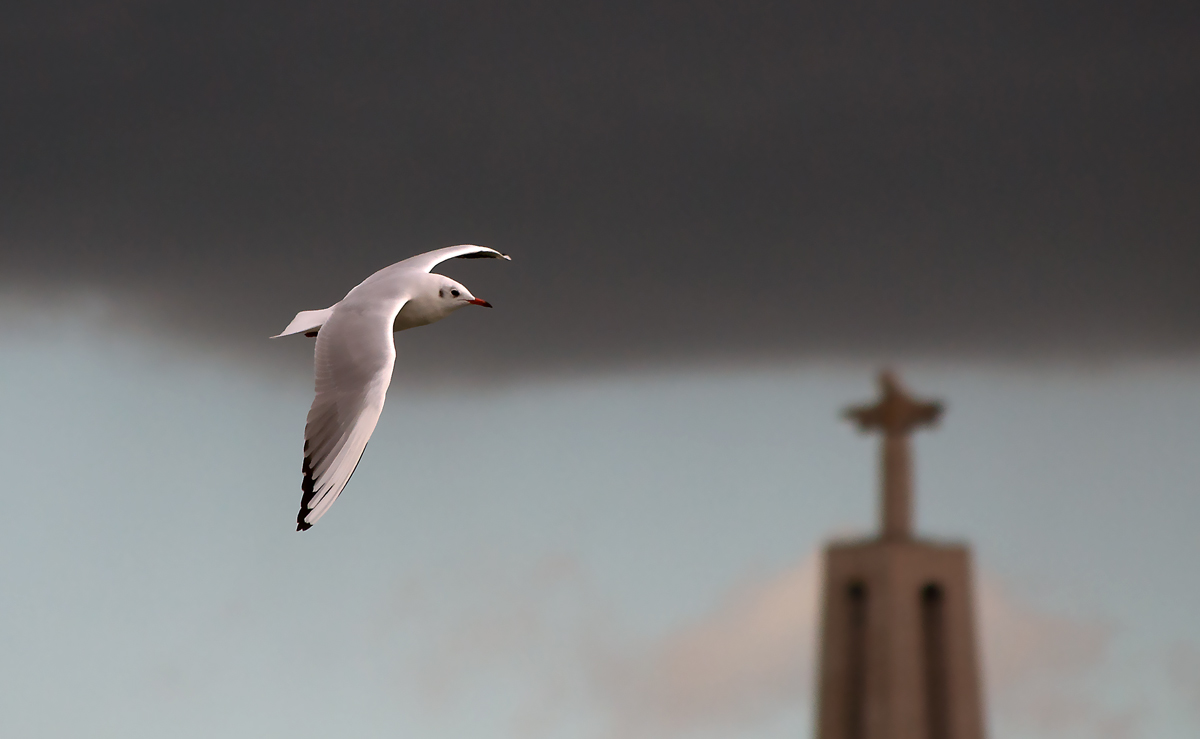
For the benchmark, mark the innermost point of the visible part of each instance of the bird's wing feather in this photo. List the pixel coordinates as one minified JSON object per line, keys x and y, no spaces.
{"x":306,"y":321}
{"x":430,"y":259}
{"x":354,"y":358}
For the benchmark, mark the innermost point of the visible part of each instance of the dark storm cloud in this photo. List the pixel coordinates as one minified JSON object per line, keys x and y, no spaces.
{"x":675,"y":180}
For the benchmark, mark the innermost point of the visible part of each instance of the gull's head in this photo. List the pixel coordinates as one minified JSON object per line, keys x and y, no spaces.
{"x":454,"y":295}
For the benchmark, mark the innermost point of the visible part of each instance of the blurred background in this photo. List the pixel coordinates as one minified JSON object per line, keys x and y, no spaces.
{"x":596,"y":510}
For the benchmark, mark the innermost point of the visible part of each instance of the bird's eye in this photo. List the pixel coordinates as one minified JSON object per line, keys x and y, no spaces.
{"x":454,"y":293}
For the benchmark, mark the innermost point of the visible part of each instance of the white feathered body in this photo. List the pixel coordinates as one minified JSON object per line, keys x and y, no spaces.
{"x":353,"y":363}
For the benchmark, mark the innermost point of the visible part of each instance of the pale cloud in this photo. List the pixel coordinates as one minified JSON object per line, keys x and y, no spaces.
{"x":738,"y":665}
{"x":545,"y":635}
{"x":1021,"y":643}
{"x":1038,"y":666}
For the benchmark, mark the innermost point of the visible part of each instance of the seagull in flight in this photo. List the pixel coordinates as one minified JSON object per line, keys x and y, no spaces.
{"x":354,"y":357}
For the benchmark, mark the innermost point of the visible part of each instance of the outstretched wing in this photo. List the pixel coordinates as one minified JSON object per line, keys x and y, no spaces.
{"x":399,"y":272}
{"x":354,"y":358}
{"x":430,"y":259}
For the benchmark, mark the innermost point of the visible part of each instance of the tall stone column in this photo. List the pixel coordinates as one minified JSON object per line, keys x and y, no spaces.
{"x":898,"y":654}
{"x":895,"y":503}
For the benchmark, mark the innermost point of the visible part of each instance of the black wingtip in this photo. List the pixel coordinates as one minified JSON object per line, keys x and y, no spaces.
{"x":489,"y":254}
{"x":306,"y":488}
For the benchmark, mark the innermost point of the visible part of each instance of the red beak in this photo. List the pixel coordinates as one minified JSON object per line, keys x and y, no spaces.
{"x":477,"y":301}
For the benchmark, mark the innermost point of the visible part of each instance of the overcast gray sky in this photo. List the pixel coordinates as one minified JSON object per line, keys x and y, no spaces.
{"x":676,"y":180}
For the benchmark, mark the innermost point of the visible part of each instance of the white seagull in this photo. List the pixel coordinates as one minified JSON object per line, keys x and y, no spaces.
{"x":354,"y":357}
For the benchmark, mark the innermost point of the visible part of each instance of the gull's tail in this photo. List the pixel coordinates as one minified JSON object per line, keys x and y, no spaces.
{"x":307,"y":322}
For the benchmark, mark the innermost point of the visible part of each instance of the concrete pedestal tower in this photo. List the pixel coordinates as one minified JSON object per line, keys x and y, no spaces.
{"x":898,"y":656}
